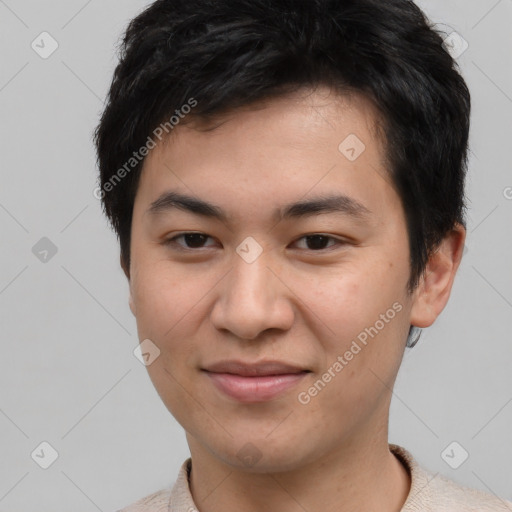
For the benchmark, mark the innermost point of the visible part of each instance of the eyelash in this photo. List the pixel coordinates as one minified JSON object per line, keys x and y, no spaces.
{"x":172,"y":242}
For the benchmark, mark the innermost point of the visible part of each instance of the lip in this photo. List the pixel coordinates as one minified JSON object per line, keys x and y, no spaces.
{"x":251,"y":383}
{"x":254,"y":389}
{"x":262,"y":368}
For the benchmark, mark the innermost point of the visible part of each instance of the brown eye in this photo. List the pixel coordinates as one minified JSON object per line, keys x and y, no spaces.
{"x":191,"y":240}
{"x":318,"y":242}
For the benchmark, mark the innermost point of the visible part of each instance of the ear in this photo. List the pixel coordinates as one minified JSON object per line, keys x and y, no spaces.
{"x":434,"y":288}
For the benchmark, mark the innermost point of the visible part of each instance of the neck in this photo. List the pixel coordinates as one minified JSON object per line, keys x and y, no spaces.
{"x":353,"y":477}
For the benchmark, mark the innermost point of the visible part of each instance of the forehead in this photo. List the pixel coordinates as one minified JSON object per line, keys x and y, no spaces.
{"x":294,"y":117}
{"x":274,"y":152}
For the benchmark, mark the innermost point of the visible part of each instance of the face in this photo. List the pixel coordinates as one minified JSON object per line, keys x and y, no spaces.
{"x":320,"y":287}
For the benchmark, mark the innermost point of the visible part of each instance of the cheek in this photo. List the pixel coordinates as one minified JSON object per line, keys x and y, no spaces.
{"x":170,"y":307}
{"x":362,"y":315}
{"x":352,"y":298}
{"x":166,"y":304}
{"x":163,"y":295}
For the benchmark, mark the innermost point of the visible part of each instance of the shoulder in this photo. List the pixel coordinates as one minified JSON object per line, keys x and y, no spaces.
{"x":173,"y":499}
{"x":437,"y":493}
{"x":156,"y":502}
{"x":449,"y":496}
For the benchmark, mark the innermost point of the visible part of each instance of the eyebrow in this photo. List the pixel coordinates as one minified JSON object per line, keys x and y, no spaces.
{"x":338,"y":203}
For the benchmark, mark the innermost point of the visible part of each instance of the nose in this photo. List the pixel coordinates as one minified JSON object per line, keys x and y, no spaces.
{"x":253,"y":298}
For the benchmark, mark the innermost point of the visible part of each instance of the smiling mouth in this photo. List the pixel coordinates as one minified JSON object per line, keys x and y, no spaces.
{"x":251,"y":389}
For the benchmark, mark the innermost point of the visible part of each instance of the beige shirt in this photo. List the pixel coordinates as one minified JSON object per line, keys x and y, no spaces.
{"x":428,"y":493}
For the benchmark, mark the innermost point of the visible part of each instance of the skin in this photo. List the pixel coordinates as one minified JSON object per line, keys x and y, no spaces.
{"x":294,"y":303}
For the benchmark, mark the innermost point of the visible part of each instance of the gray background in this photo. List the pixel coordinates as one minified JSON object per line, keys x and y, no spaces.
{"x":68,"y":375}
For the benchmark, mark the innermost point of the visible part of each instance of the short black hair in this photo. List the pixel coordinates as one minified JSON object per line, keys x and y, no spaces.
{"x":220,"y":55}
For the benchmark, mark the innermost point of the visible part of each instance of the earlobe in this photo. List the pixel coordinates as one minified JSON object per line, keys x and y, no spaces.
{"x":422,"y":315}
{"x":435,"y":286}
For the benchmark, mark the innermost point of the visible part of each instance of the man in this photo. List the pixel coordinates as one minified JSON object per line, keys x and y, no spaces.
{"x":287,"y":183}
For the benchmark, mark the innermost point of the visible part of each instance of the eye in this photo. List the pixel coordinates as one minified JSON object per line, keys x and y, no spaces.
{"x":317,"y":242}
{"x":314,"y":242}
{"x":192,"y":240}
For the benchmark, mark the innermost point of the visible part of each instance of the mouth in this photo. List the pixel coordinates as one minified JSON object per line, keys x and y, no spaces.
{"x":250,"y":383}
{"x":260,"y":369}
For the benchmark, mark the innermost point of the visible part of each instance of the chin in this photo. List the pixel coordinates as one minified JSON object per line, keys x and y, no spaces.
{"x":258,"y":454}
